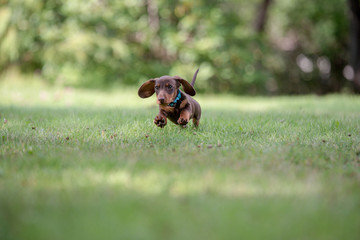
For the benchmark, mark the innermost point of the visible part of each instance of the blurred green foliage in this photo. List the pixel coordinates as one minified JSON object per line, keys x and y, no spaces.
{"x":97,"y":43}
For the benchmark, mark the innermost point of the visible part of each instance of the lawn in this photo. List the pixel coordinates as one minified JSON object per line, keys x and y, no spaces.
{"x":86,"y":164}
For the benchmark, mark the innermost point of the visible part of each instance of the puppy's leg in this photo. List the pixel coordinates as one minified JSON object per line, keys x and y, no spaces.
{"x":160,"y":120}
{"x":184,"y":117}
{"x":196,"y":122}
{"x":197,"y":113}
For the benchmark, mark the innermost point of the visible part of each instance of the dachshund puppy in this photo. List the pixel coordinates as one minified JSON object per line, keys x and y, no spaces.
{"x":174,"y":104}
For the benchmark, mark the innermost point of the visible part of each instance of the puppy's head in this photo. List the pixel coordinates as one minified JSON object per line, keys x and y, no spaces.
{"x":166,"y":89}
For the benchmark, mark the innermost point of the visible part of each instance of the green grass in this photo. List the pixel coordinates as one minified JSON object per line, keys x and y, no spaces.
{"x":77,"y":164}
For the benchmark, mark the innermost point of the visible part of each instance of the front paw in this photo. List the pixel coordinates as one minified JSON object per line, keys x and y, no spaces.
{"x":182,"y":121}
{"x":160,"y":121}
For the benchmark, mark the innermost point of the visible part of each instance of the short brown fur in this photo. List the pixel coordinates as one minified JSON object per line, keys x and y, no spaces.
{"x":166,"y":89}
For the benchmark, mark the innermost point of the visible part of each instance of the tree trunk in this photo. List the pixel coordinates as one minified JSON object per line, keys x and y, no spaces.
{"x":3,"y":35}
{"x":157,"y":49}
{"x":260,"y":19}
{"x":355,"y":42}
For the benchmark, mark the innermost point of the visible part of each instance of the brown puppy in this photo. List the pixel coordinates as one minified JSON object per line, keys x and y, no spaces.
{"x":174,"y":104}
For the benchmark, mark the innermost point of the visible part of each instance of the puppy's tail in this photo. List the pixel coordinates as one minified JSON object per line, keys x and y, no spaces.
{"x":194,"y":78}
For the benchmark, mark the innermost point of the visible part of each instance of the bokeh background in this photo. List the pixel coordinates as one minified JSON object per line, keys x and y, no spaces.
{"x":243,"y":47}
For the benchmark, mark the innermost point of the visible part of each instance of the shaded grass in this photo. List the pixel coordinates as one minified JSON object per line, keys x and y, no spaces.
{"x":81,"y":164}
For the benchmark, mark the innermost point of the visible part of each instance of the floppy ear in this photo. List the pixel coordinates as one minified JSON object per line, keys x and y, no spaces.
{"x":186,"y":85}
{"x":147,"y":89}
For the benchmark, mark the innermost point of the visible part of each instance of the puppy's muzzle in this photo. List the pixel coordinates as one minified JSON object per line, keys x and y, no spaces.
{"x":161,"y":100}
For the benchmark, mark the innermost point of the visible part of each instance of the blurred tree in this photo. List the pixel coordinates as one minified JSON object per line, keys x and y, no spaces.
{"x":314,"y":46}
{"x":260,"y":19}
{"x":97,"y":43}
{"x":355,"y":42}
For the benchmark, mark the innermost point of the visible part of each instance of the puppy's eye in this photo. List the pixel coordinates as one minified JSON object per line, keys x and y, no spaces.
{"x":170,"y":87}
{"x":157,"y":87}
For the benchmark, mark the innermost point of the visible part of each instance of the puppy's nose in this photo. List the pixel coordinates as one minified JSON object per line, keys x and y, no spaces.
{"x":161,"y":100}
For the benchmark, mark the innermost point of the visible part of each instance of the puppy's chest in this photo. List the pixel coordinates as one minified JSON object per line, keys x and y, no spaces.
{"x":171,"y":112}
